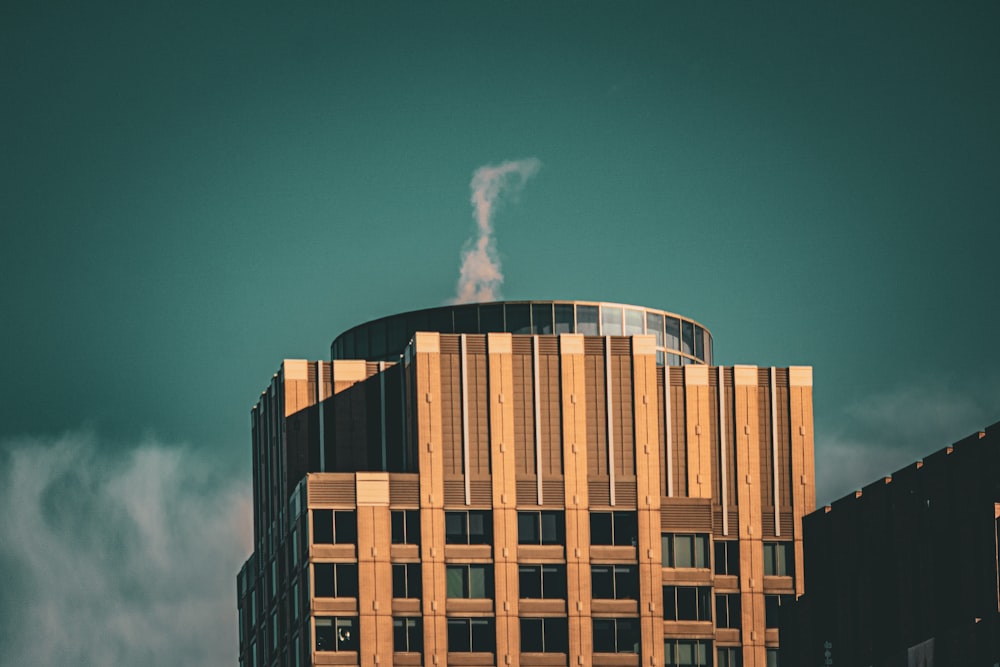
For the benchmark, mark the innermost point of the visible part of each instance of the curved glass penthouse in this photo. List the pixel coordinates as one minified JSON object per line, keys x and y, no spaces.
{"x":679,"y":340}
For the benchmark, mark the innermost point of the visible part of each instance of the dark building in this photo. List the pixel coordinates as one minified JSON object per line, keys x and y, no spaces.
{"x":526,"y":483}
{"x":904,"y":572}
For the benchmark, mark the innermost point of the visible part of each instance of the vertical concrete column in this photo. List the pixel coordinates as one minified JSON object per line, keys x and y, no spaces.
{"x":803,"y":480}
{"x":574,"y":435}
{"x":746,"y":424}
{"x":427,"y":369}
{"x":502,"y":450}
{"x":295,"y":373}
{"x":645,"y":400}
{"x":374,"y":568}
{"x":699,"y":431}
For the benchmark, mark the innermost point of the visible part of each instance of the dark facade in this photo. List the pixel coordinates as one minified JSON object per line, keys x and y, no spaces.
{"x":904,"y":572}
{"x":542,"y":500}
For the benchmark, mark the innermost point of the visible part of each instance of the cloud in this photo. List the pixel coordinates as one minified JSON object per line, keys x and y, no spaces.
{"x":119,"y":561}
{"x":480,"y":275}
{"x":886,"y":432}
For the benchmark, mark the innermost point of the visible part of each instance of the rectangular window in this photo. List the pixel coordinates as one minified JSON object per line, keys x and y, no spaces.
{"x":614,"y":582}
{"x":727,"y":610}
{"x":587,"y":320}
{"x":727,"y":557}
{"x":634,"y":323}
{"x":542,"y":582}
{"x":654,"y":325}
{"x":337,"y":633}
{"x":611,"y":321}
{"x":778,"y":559}
{"x":471,"y":635}
{"x":407,"y":635}
{"x":405,"y":526}
{"x":774,"y":607}
{"x":564,"y":318}
{"x":544,"y":635}
{"x":468,"y":527}
{"x":772,"y":657}
{"x":334,"y":527}
{"x":687,"y":653}
{"x":335,"y":580}
{"x":614,"y":528}
{"x":687,"y":603}
{"x":541,"y":318}
{"x":673,"y":327}
{"x":469,"y":581}
{"x":687,"y":342}
{"x":685,"y":550}
{"x":730,"y":656}
{"x":406,"y":581}
{"x":541,"y":527}
{"x":616,"y":635}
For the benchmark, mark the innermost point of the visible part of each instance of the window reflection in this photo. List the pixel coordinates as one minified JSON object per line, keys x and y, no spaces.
{"x":633,"y":323}
{"x":673,"y":333}
{"x":611,"y":321}
{"x":518,"y":318}
{"x":654,"y":325}
{"x":564,"y":318}
{"x":541,"y":318}
{"x":586,"y":320}
{"x":687,"y":341}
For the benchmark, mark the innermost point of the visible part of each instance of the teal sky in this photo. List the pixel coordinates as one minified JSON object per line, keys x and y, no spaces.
{"x":191,"y":194}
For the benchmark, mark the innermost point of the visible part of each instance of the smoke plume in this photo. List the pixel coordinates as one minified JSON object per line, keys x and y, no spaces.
{"x":480,"y":276}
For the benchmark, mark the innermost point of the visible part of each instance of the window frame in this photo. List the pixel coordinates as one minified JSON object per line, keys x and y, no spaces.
{"x":343,"y":526}
{"x":620,"y":521}
{"x":339,"y":571}
{"x":728,"y":610}
{"x":465,"y":536}
{"x":412,"y":643}
{"x":539,"y":519}
{"x":779,"y":559}
{"x":465,"y":570}
{"x":405,"y":526}
{"x":469,"y":624}
{"x":701,"y":652}
{"x":340,"y":644}
{"x":616,"y":633}
{"x":546,"y":572}
{"x":550,"y":627}
{"x":412,"y":572}
{"x":669,"y":545}
{"x":703,"y":602}
{"x":619,"y":574}
{"x":733,"y":656}
{"x":727,"y":557}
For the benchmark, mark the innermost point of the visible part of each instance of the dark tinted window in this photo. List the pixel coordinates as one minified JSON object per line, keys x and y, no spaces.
{"x":564,"y":318}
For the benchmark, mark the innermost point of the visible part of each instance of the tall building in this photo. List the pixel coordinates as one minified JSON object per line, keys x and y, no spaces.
{"x":904,"y":572}
{"x":525,"y":483}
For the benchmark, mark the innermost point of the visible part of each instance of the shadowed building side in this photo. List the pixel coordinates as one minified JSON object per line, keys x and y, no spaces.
{"x":904,"y":571}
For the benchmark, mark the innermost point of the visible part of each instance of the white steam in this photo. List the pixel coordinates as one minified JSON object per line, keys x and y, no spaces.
{"x":125,"y":559}
{"x":480,"y":276}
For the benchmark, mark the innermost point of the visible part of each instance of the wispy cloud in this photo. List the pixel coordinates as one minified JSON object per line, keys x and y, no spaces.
{"x":119,"y":561}
{"x":480,"y":275}
{"x":883,"y":433}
